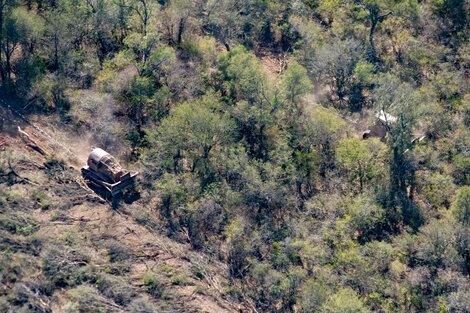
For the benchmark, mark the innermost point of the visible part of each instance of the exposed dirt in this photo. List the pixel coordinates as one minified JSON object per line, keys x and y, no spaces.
{"x":94,"y":223}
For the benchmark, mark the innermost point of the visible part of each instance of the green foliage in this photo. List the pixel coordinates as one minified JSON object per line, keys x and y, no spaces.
{"x":49,"y":94}
{"x":193,"y":131}
{"x":153,"y":284}
{"x":295,"y":84}
{"x":436,"y":190}
{"x":364,"y":159}
{"x":336,"y":63}
{"x":367,"y":218}
{"x":433,"y":249}
{"x":242,"y":158}
{"x":17,"y":224}
{"x":461,"y":205}
{"x":462,"y":170}
{"x":344,"y":301}
{"x":180,"y":280}
{"x":161,"y":60}
{"x":243,"y":71}
{"x":139,"y":95}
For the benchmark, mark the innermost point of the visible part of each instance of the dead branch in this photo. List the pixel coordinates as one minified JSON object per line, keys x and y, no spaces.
{"x":30,"y":142}
{"x":90,"y":193}
{"x":14,"y":173}
{"x":36,"y":296}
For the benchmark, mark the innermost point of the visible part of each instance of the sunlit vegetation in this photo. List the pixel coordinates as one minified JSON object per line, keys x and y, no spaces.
{"x":248,"y":119}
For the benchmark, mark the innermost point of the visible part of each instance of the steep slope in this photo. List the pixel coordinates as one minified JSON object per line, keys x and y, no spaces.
{"x":65,"y":249}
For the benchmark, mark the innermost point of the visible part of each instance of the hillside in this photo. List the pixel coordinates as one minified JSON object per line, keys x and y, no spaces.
{"x":66,"y":249}
{"x":293,"y":156}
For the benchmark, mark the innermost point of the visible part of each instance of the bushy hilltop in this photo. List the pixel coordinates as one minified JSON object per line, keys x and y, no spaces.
{"x":315,"y":154}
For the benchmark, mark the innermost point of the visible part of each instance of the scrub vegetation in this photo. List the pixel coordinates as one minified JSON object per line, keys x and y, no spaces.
{"x":294,"y":156}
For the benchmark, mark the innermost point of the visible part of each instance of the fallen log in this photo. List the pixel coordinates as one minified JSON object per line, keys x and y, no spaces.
{"x":30,"y":142}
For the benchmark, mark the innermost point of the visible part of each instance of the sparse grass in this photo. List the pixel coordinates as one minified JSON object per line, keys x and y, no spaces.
{"x":58,"y":216}
{"x":166,"y":268}
{"x":180,"y":280}
{"x":18,"y":224}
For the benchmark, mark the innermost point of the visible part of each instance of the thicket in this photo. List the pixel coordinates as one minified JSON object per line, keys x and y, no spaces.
{"x":308,"y":216}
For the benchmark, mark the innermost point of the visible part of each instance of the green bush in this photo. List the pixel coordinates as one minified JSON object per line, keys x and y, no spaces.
{"x":461,"y":205}
{"x":344,"y":301}
{"x":17,"y":224}
{"x":154,"y":284}
{"x":461,"y":172}
{"x":115,"y":288}
{"x":180,"y":280}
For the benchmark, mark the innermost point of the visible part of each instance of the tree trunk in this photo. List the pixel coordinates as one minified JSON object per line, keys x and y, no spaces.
{"x":56,"y":52}
{"x":361,"y":178}
{"x":181,"y":27}
{"x":373,"y":25}
{"x":8,"y":54}
{"x":2,"y":71}
{"x":145,"y":17}
{"x":375,"y":19}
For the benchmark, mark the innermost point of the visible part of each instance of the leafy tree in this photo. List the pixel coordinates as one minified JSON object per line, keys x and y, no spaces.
{"x":247,"y":80}
{"x":276,"y":287}
{"x":454,"y":17}
{"x":23,"y":31}
{"x":241,"y":240}
{"x":312,"y":294}
{"x":142,"y":45}
{"x":461,"y":206}
{"x":335,"y":63}
{"x":140,"y":93}
{"x":321,"y":132}
{"x":435,"y":248}
{"x":377,"y":12}
{"x":6,"y":7}
{"x":367,"y":218}
{"x":344,"y":301}
{"x":233,"y":22}
{"x":192,"y":132}
{"x":161,"y":61}
{"x":177,"y":15}
{"x":402,"y":101}
{"x":295,"y":84}
{"x":462,"y":170}
{"x":364,"y":159}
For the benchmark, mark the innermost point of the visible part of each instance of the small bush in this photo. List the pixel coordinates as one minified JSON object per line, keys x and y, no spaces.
{"x":153,"y":284}
{"x":66,"y":267}
{"x":344,"y":301}
{"x":42,"y":200}
{"x":116,"y":289}
{"x":17,"y":224}
{"x":118,"y":253}
{"x":142,"y":305}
